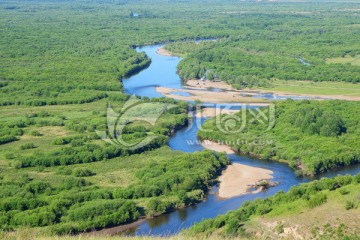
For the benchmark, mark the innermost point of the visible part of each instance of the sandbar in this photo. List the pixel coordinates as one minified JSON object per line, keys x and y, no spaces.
{"x":217,"y":147}
{"x":239,"y":179}
{"x":162,"y":51}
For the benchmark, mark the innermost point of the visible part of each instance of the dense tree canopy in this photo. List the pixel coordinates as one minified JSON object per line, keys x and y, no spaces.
{"x":276,"y":46}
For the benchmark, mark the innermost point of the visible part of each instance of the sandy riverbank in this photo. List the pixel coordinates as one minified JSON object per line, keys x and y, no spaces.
{"x":212,"y":112}
{"x":208,"y":84}
{"x":203,"y":90}
{"x":114,"y":230}
{"x":238,"y":179}
{"x":162,"y":51}
{"x":204,"y":95}
{"x":318,"y":96}
{"x":217,"y":147}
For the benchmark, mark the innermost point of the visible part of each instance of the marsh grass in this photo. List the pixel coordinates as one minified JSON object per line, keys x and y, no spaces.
{"x":313,"y":88}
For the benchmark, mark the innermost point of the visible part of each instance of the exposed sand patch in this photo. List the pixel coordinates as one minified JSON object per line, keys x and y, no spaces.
{"x":212,"y":112}
{"x":287,"y":233}
{"x":208,"y":84}
{"x":162,"y":51}
{"x":238,"y":179}
{"x":111,"y":231}
{"x":340,"y":97}
{"x":204,"y":95}
{"x":200,"y":90}
{"x":217,"y":147}
{"x":245,"y":93}
{"x":316,"y":96}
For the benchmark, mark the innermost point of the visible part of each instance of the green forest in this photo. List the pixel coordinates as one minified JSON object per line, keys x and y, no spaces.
{"x":311,"y":136}
{"x":243,"y":62}
{"x":276,"y":46}
{"x":62,"y":64}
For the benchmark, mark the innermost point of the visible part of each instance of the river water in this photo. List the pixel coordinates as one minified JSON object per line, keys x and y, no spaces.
{"x":162,"y":72}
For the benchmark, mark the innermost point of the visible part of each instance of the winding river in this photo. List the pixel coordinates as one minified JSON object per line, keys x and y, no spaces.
{"x":162,"y":72}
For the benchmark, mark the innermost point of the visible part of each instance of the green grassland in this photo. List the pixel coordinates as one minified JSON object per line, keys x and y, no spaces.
{"x":313,"y":88}
{"x":353,"y":60}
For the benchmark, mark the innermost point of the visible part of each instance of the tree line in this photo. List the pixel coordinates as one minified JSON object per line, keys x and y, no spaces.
{"x":309,"y":195}
{"x":311,"y":136}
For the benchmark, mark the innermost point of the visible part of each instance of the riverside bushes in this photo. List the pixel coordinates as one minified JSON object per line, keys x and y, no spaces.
{"x":314,"y":136}
{"x":84,"y":154}
{"x":179,"y":175}
{"x":97,"y":214}
{"x":68,"y":203}
{"x":313,"y":193}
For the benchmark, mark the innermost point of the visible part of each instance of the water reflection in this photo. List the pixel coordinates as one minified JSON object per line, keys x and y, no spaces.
{"x":182,"y":214}
{"x":158,"y":221}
